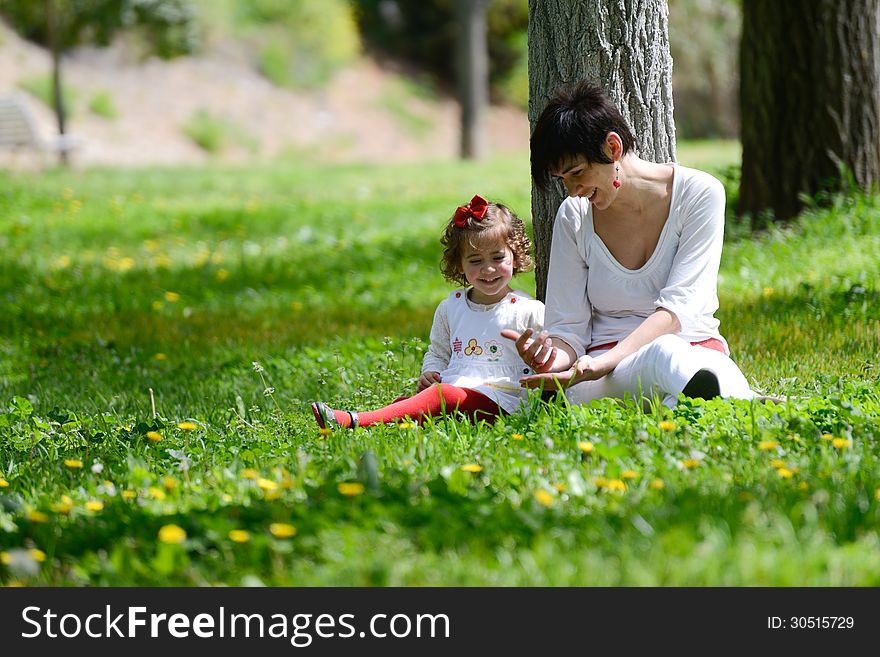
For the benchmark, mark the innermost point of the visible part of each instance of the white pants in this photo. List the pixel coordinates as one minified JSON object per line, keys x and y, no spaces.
{"x":663,"y":368}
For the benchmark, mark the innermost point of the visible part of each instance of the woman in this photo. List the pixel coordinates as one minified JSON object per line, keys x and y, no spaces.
{"x":631,"y":289}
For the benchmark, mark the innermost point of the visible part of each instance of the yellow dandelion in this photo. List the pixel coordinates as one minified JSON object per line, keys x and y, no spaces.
{"x":777,"y":463}
{"x":841,"y":443}
{"x":172,"y":534}
{"x":768,"y":292}
{"x":249,"y":473}
{"x":827,"y":436}
{"x":658,"y":484}
{"x":221,"y":275}
{"x":156,"y":493}
{"x":73,"y":464}
{"x":172,"y":297}
{"x":94,"y":505}
{"x":239,"y":536}
{"x":282,"y":530}
{"x":187,"y":426}
{"x":324,"y":432}
{"x":3,"y":483}
{"x":296,"y":306}
{"x":472,"y":467}
{"x":785,"y":473}
{"x":667,"y":425}
{"x":266,"y":484}
{"x":37,"y":555}
{"x":616,"y":485}
{"x":64,"y":506}
{"x":690,"y":464}
{"x":804,"y":486}
{"x":272,"y":495}
{"x":405,"y":425}
{"x":600,"y":482}
{"x":629,"y":474}
{"x":128,"y":494}
{"x":586,"y":446}
{"x":5,"y":558}
{"x":545,"y":498}
{"x":156,"y":305}
{"x":516,"y":436}
{"x":768,"y":444}
{"x":160,"y":356}
{"x":170,"y":483}
{"x":560,"y":488}
{"x":350,"y":488}
{"x":154,"y":436}
{"x":37,"y":516}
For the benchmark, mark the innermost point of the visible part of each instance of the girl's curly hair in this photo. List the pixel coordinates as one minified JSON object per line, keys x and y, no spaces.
{"x":499,"y":222}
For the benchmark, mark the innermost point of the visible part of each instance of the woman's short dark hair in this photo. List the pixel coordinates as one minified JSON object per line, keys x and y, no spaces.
{"x":575,"y":123}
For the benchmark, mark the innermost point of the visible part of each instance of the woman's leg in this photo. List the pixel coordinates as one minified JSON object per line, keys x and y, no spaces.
{"x":430,"y":402}
{"x":663,"y":368}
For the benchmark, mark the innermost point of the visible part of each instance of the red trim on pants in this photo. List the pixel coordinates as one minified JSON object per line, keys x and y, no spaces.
{"x":709,"y":343}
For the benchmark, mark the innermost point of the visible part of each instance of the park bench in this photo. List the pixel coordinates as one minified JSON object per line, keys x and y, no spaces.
{"x":18,"y":130}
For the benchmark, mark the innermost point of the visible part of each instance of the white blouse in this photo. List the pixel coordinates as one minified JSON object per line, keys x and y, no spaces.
{"x":468,"y":351}
{"x":592,"y":299}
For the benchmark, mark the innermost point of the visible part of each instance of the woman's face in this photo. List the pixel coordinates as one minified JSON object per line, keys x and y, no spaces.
{"x":593,"y":182}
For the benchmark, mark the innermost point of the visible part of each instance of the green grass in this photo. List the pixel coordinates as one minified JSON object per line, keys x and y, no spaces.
{"x":118,"y":283}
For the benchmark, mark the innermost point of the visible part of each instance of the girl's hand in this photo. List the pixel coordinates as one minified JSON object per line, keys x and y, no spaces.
{"x":538,"y":353}
{"x":427,"y":379}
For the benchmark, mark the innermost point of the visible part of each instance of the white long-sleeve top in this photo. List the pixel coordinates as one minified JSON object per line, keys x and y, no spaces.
{"x":592,"y":299}
{"x":468,"y":351}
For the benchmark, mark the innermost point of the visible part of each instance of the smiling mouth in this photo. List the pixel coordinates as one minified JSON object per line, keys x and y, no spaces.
{"x":592,"y":194}
{"x":490,"y":281}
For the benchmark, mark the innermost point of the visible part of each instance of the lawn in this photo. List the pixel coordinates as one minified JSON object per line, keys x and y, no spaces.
{"x":163,"y":331}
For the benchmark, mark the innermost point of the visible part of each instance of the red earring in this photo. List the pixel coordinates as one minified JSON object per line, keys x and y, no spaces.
{"x":616,"y":182}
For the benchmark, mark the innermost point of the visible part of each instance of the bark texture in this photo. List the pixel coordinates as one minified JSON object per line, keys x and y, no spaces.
{"x":624,"y":46}
{"x":810,"y":101}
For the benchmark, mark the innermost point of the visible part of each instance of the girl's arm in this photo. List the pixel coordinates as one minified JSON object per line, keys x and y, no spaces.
{"x":439,"y":350}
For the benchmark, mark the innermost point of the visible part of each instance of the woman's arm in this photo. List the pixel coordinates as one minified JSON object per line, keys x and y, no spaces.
{"x":568,"y":312}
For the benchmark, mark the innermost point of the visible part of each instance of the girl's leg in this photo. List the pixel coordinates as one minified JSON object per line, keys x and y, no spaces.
{"x":430,"y":402}
{"x":663,"y":368}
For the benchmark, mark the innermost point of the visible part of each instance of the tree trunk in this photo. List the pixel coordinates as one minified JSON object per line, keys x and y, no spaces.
{"x":624,"y":46}
{"x":472,"y":71}
{"x":54,"y":38}
{"x":810,"y":101}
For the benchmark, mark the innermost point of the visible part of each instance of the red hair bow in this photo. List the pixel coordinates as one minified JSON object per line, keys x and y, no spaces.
{"x":477,"y":209}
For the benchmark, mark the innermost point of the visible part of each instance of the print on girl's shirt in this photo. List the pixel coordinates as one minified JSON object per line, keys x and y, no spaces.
{"x":494,"y":351}
{"x":473,"y":349}
{"x":456,"y":347}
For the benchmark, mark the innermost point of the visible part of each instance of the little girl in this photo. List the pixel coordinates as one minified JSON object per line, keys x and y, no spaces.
{"x":469,"y":367}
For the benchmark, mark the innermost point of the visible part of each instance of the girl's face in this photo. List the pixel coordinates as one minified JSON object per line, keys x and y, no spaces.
{"x":488,"y":266}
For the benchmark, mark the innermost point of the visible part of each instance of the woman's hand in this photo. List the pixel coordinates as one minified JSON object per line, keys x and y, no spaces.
{"x":538,"y":353}
{"x":585,"y":368}
{"x":427,"y":379}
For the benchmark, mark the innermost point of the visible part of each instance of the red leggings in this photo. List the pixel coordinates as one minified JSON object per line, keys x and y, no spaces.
{"x":430,"y":402}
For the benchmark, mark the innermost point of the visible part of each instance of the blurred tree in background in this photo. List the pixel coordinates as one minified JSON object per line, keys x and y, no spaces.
{"x":424,"y":32}
{"x":168,"y":27}
{"x":810,"y":100}
{"x":704,"y":41}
